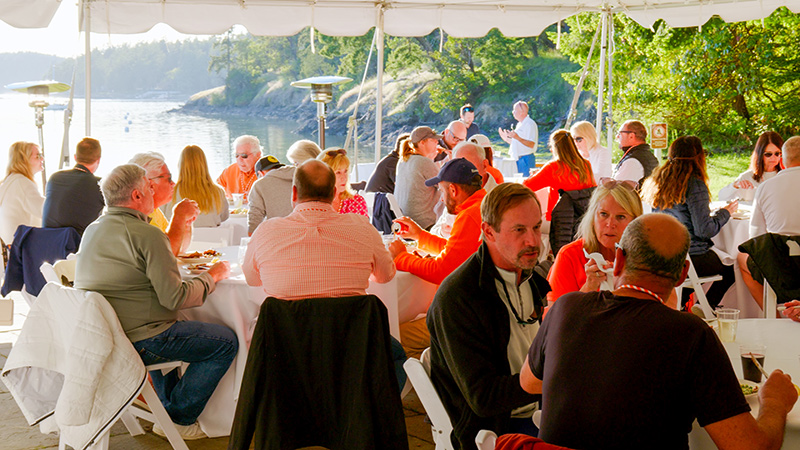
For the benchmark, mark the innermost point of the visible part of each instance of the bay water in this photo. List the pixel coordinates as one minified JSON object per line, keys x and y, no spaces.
{"x":126,"y":127}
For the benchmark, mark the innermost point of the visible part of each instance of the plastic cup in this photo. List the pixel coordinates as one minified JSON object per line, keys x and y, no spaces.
{"x":238,"y":199}
{"x":728,"y":319}
{"x":243,"y":249}
{"x":749,"y":369}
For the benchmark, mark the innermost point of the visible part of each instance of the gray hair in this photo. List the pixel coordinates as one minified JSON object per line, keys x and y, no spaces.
{"x":791,"y":151}
{"x":466,"y":146}
{"x":249,"y":140}
{"x":118,"y":185}
{"x":303,"y":150}
{"x":152,"y":162}
{"x":642,"y":256}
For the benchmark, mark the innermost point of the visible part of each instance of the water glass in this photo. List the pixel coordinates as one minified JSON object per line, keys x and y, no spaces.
{"x":243,"y":249}
{"x":728,"y":324}
{"x":238,"y":200}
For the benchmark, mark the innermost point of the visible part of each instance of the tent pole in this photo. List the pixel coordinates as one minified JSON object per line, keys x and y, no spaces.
{"x":573,"y":107}
{"x":379,"y":88}
{"x":87,"y":30}
{"x":610,"y":57}
{"x":601,"y":77}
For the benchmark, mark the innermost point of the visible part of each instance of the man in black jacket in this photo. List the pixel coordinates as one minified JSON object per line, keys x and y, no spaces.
{"x":638,"y":161}
{"x":73,"y":197}
{"x":484,"y":317}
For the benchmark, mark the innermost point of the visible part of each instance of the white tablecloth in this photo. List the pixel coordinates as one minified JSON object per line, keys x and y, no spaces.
{"x":236,"y":305}
{"x":781,"y":337}
{"x":727,"y":241}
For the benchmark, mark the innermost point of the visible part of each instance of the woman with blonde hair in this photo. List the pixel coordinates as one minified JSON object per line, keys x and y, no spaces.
{"x":195,"y":183}
{"x":416,"y":165}
{"x":680,"y":188}
{"x":598,"y":156}
{"x":612,"y":207}
{"x":345,"y":201}
{"x":20,"y":200}
{"x":569,"y":171}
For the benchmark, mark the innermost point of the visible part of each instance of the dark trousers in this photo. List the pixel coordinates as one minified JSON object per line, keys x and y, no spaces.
{"x":708,"y":264}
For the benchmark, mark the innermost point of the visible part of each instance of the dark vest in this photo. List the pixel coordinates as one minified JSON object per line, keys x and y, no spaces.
{"x":644,"y":155}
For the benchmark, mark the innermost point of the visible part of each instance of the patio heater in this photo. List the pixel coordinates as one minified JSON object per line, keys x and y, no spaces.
{"x":321,"y":93}
{"x":38,"y":93}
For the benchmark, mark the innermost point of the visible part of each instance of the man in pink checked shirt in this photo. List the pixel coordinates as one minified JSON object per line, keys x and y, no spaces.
{"x":315,"y":252}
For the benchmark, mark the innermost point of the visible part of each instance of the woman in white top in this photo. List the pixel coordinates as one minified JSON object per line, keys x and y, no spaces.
{"x":598,"y":156}
{"x":20,"y":200}
{"x":195,"y":183}
{"x":765,"y":163}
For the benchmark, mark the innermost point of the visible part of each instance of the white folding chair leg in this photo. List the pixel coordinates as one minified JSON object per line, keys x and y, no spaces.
{"x":130,"y":422}
{"x":770,"y":301}
{"x":161,"y":417}
{"x":486,"y":439}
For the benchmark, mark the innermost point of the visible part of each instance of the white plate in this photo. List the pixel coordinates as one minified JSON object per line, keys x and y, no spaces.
{"x":751,"y":384}
{"x":238,"y":216}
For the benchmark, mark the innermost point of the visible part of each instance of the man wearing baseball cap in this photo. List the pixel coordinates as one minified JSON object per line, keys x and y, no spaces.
{"x":271,"y":195}
{"x":460,"y":184}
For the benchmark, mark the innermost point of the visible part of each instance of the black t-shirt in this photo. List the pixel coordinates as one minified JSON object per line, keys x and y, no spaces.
{"x":627,"y":373}
{"x":383,"y":178}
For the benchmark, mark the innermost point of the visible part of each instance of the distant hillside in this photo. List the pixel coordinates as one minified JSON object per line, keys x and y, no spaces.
{"x":27,"y":66}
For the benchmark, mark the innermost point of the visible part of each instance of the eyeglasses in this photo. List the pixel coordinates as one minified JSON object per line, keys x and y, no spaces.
{"x":616,"y":245}
{"x":578,"y":139}
{"x":167,"y":177}
{"x":243,"y":155}
{"x":611,"y":183}
{"x":623,"y":132}
{"x":769,"y":154}
{"x":468,"y":109}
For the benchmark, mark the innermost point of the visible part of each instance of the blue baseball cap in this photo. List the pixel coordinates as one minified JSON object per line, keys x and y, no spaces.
{"x":459,"y":171}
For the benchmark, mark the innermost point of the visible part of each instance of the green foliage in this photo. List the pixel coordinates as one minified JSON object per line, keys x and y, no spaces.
{"x":725,"y":82}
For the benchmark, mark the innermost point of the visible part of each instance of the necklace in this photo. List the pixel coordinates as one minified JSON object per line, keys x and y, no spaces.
{"x":246,"y":181}
{"x":643,"y":290}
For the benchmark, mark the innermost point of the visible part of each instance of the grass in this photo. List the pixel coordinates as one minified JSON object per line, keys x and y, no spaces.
{"x":723,"y":168}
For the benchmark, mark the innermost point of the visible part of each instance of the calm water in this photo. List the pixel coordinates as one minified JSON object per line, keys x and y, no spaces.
{"x":126,"y":127}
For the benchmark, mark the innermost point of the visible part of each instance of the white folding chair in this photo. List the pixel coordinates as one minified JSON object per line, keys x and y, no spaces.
{"x":486,"y":439}
{"x":61,"y":272}
{"x":419,"y":372}
{"x":395,"y":207}
{"x":221,"y":236}
{"x":369,"y":197}
{"x":770,"y":301}
{"x":696,"y":283}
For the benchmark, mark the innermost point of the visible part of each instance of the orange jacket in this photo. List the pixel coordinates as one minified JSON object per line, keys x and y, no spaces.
{"x":465,"y":238}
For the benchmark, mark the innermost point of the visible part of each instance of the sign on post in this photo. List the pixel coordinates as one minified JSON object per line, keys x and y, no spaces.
{"x":658,"y":138}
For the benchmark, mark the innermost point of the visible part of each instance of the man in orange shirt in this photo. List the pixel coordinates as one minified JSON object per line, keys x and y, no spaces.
{"x":239,"y":177}
{"x":460,"y":184}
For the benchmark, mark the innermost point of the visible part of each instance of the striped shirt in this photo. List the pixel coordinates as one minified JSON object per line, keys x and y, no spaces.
{"x":316,"y":252}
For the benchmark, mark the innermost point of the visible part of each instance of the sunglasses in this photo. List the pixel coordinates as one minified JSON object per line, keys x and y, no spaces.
{"x":769,"y":154}
{"x":623,"y":132}
{"x":578,"y":139}
{"x":468,"y":109}
{"x":611,"y":183}
{"x":167,"y":177}
{"x":338,"y":151}
{"x":243,"y":155}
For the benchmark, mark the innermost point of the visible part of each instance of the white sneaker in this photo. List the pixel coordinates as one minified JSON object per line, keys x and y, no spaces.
{"x":188,"y":432}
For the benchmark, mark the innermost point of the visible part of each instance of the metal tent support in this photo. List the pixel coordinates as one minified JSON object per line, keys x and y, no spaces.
{"x":379,"y":88}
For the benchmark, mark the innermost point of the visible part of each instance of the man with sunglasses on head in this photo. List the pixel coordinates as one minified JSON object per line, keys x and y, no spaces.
{"x":638,"y":161}
{"x":239,"y":177}
{"x":184,"y":213}
{"x":467,"y":117}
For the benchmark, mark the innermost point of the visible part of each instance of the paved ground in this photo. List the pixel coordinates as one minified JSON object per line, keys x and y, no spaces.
{"x":15,"y":434}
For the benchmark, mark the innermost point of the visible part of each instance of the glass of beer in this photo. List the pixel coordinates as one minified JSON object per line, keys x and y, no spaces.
{"x":749,"y":369}
{"x":728,"y":324}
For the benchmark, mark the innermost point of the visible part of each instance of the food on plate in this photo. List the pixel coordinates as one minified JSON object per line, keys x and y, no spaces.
{"x":237,"y":211}
{"x":210,"y":253}
{"x":748,"y":389}
{"x":198,"y":267}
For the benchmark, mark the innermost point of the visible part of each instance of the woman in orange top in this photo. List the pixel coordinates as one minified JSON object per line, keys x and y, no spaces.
{"x":568,"y":171}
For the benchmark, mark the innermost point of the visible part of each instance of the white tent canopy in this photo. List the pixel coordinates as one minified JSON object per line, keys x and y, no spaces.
{"x":458,"y":18}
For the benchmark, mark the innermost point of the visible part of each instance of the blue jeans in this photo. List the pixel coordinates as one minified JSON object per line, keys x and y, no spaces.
{"x":399,"y":358}
{"x":525,"y":163}
{"x":208,"y":348}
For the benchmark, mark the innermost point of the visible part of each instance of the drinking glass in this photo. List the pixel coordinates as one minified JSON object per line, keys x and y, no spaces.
{"x":749,"y":369}
{"x":728,"y":324}
{"x":238,"y":199}
{"x":243,"y":249}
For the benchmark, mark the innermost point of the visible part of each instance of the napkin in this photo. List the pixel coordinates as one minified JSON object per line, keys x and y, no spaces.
{"x":607,"y":285}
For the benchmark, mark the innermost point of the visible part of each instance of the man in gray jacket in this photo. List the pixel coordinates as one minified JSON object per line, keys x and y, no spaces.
{"x":271,"y":195}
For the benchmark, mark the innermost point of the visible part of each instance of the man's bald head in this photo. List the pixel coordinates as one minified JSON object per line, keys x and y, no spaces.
{"x":473,"y":153}
{"x":655,"y":245}
{"x":314,"y":181}
{"x":791,"y":152}
{"x":455,"y":133}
